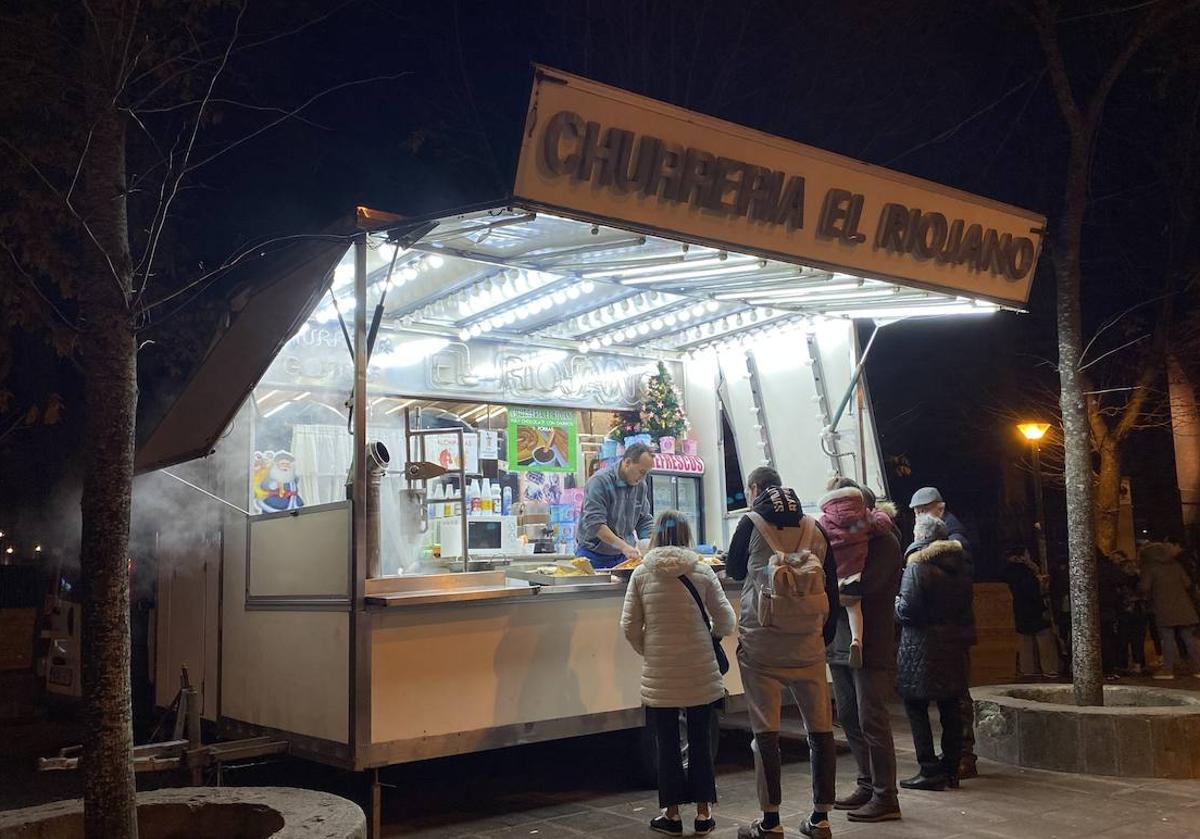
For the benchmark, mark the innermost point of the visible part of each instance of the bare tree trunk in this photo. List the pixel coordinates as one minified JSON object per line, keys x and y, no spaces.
{"x":109,"y":361}
{"x":1085,"y":611}
{"x":1108,"y":497}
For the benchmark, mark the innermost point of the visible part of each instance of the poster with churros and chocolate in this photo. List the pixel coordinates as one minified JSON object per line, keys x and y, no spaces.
{"x":541,"y":440}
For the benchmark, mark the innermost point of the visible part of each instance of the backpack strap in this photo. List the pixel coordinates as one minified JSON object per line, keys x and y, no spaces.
{"x":802,"y":536}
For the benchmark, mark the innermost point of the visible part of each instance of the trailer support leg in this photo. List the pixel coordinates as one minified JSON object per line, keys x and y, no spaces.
{"x":375,"y":830}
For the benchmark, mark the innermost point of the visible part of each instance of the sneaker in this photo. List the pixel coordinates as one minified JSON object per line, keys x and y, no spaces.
{"x":819,"y":830}
{"x":854,"y":800}
{"x":757,"y":831}
{"x":875,"y":811}
{"x":856,"y":658}
{"x":933,"y":783}
{"x":703,"y":827}
{"x":671,"y":827}
{"x":1165,"y":677}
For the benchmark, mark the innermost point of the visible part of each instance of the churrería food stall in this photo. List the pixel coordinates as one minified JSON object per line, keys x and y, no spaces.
{"x":396,"y":423}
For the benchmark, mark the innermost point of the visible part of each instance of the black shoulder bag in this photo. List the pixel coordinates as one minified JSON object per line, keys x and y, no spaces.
{"x":718,"y":650}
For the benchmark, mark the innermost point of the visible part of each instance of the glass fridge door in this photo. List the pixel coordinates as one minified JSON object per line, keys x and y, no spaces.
{"x":688,"y":503}
{"x":663,"y":493}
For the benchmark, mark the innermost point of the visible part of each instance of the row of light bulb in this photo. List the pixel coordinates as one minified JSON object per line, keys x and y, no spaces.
{"x":646,"y":328}
{"x":493,"y":293}
{"x":743,"y":341}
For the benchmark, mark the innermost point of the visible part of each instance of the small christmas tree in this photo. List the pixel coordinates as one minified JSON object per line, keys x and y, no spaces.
{"x":625,"y":424}
{"x":662,"y":415}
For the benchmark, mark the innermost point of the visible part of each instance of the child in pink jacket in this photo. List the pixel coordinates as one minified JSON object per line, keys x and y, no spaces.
{"x":850,"y":526}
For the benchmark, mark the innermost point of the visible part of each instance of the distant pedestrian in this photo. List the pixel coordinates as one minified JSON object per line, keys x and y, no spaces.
{"x":1131,"y":617}
{"x":1038,"y":653}
{"x":937,"y":628}
{"x":668,"y":597}
{"x":1167,"y":587}
{"x":928,"y":500}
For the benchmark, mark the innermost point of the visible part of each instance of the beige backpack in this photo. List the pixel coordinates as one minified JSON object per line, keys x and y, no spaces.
{"x":791,"y":590}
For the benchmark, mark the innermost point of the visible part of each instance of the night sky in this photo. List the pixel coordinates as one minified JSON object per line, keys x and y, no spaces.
{"x":950,"y":91}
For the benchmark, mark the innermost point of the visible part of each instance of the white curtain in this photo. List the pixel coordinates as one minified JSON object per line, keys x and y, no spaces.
{"x":323,"y":454}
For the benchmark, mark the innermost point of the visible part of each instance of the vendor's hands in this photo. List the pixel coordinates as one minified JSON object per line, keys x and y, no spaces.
{"x":630,"y":552}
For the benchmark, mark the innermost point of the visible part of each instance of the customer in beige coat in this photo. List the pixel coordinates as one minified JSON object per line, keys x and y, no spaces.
{"x":664,"y":624}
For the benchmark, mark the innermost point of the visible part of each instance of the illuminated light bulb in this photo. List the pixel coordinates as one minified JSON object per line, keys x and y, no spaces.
{"x":768,"y":313}
{"x":584,"y":346}
{"x":496,"y":321}
{"x":754,"y":317}
{"x":656,"y":324}
{"x":521,"y":284}
{"x":481,"y":328}
{"x":739,"y":321}
{"x":523,"y":313}
{"x":510,"y":318}
{"x":464,"y":308}
{"x":699,"y":310}
{"x":573,"y":293}
{"x":508,"y":290}
{"x":559,"y":297}
{"x":643,"y":328}
{"x":587,"y":286}
{"x":712,"y":306}
{"x":436,"y":261}
{"x":464,"y":334}
{"x":671,"y":320}
{"x":685,"y":315}
{"x":606,"y":341}
{"x":619,"y":335}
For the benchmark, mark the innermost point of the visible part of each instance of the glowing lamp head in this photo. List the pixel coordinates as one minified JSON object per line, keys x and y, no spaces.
{"x":1033,"y":431}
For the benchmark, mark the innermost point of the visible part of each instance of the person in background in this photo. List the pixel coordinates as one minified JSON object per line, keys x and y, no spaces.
{"x":862,"y":695}
{"x":1131,"y":617}
{"x":1109,"y":579}
{"x":1038,"y":653}
{"x":937,"y":628}
{"x":775,"y":663}
{"x":663,"y":622}
{"x":1166,"y":586}
{"x":928,"y":501}
{"x":616,"y":509}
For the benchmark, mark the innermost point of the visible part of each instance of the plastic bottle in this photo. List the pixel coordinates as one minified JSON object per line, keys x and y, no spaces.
{"x":449,"y":508}
{"x":485,"y":497}
{"x":497,"y":500}
{"x":474,"y":502}
{"x":506,"y":502}
{"x":435,"y":508}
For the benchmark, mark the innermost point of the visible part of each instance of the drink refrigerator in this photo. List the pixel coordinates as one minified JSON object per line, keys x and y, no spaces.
{"x":670,"y":490}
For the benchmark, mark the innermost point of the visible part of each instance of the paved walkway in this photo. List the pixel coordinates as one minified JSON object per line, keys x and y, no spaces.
{"x":1004,"y":802}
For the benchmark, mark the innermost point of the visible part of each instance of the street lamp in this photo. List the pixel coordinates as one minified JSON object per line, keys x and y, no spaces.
{"x":1034,"y":432}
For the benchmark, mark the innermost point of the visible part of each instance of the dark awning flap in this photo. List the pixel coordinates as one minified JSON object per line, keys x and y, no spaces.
{"x":263,"y":315}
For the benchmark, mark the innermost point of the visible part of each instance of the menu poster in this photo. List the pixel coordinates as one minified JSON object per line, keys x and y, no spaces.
{"x":442,"y":449}
{"x":542,"y":440}
{"x":489,"y":445}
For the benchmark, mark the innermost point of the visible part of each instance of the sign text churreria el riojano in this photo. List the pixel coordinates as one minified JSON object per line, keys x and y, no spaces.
{"x":629,"y":163}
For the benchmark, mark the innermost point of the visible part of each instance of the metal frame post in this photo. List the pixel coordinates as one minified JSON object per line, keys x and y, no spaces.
{"x":358,"y":730}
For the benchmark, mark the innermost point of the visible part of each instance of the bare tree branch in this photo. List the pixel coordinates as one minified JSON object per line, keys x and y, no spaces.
{"x":1113,"y":351}
{"x":38,"y":289}
{"x":164,"y":209}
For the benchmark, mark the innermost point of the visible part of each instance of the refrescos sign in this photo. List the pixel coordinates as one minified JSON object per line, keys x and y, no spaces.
{"x":612,"y":155}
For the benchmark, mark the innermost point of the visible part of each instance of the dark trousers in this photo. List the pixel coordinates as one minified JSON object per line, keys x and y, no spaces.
{"x":1131,"y":630}
{"x":950,"y":713}
{"x":862,"y":697}
{"x":698,"y":783}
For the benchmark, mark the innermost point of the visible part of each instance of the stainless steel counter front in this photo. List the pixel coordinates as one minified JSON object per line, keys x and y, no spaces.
{"x":486,"y":587}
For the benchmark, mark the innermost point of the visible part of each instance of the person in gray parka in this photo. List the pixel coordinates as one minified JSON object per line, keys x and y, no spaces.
{"x":1168,"y":588}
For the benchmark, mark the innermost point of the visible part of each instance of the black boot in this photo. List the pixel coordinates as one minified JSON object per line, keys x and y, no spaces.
{"x":935,"y":783}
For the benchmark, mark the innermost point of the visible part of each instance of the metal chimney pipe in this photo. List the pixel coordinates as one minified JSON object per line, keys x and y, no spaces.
{"x":378,"y":459}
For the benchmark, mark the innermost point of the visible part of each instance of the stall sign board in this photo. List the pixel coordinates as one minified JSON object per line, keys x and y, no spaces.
{"x":682,"y":464}
{"x":604,"y":154}
{"x":542,"y":440}
{"x":415,"y":365}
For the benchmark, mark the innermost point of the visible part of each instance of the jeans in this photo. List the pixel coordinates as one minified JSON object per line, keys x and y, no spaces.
{"x":1171,"y":647}
{"x":807,"y":687}
{"x":698,"y":784}
{"x":949,"y":711}
{"x":862,"y":697}
{"x":1038,"y":653}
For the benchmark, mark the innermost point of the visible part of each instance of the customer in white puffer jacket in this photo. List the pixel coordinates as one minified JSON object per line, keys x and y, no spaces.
{"x":679,"y":673}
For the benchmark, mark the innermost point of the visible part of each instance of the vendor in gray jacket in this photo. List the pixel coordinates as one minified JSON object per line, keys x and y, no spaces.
{"x":616,"y":510}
